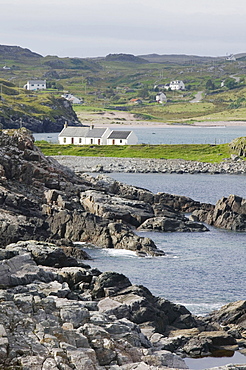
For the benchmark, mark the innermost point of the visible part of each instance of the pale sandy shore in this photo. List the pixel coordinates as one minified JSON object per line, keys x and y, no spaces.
{"x":132,"y":124}
{"x":126,"y":119}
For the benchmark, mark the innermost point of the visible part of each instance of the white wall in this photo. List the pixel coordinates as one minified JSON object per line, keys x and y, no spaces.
{"x":70,"y":140}
{"x":131,"y":140}
{"x":35,"y":86}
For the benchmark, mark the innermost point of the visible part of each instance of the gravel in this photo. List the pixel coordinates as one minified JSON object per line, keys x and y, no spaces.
{"x":145,"y":165}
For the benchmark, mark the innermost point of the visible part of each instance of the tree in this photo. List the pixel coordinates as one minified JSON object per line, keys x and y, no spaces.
{"x":230,"y":83}
{"x":210,"y":85}
{"x":144,"y":92}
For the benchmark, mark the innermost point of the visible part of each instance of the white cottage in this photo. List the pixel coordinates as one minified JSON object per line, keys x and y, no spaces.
{"x":35,"y":85}
{"x":86,"y":135}
{"x":83,"y":135}
{"x":122,"y":138}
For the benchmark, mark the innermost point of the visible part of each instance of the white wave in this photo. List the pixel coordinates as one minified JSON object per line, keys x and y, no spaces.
{"x":119,"y":252}
{"x":202,"y":309}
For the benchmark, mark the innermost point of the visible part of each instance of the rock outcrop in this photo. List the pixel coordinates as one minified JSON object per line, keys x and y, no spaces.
{"x":228,"y":213}
{"x":58,"y":313}
{"x":130,"y":211}
{"x":238,"y":145}
{"x":166,"y":224}
{"x":65,"y":316}
{"x":43,"y":200}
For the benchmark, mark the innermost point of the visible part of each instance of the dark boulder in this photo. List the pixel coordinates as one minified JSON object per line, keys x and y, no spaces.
{"x":228,"y":213}
{"x":167,"y":224}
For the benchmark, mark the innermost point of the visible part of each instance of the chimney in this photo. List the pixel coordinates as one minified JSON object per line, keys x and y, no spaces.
{"x":91,"y":127}
{"x":65,"y":124}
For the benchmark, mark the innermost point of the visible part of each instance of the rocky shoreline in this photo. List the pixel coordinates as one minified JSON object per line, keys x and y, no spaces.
{"x":56,"y":312}
{"x":234,"y":165}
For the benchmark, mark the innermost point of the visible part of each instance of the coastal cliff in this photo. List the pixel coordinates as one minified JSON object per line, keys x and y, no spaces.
{"x":38,"y":112}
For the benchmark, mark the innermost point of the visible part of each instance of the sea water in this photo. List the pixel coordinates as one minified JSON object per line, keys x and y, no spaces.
{"x":201,"y":270}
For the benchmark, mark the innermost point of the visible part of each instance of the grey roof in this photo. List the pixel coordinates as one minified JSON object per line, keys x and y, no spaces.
{"x":96,"y":132}
{"x":119,"y":134}
{"x":37,"y":82}
{"x":73,"y":131}
{"x":86,"y":131}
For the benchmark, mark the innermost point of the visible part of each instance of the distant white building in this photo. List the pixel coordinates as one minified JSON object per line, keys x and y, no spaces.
{"x":35,"y":85}
{"x":86,"y":135}
{"x":73,"y":99}
{"x":231,"y":57}
{"x":161,"y":98}
{"x":175,"y":85}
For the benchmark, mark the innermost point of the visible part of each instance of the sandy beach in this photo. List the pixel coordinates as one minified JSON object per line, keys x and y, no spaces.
{"x":119,"y":119}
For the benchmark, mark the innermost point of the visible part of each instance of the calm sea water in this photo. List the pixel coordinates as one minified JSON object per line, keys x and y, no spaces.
{"x":174,"y":135}
{"x":202,"y":271}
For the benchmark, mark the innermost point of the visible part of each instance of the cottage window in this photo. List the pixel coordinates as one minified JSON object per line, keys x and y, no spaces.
{"x":64,"y":140}
{"x":120,"y":141}
{"x":80,"y":140}
{"x":91,"y":141}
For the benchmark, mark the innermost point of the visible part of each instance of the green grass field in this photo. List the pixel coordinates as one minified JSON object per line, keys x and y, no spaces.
{"x":193,"y":152}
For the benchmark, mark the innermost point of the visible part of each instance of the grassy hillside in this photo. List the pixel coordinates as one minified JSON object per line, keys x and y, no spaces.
{"x":18,"y":103}
{"x":111,"y":83}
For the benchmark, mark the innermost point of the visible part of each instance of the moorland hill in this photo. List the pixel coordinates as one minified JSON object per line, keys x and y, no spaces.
{"x":215,"y":87}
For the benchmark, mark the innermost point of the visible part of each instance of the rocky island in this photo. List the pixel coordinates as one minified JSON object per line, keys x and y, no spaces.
{"x":56,"y":312}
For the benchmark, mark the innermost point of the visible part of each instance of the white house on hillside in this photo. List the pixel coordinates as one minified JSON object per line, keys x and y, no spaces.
{"x":35,"y":85}
{"x":177,"y":85}
{"x":86,"y":135}
{"x":73,"y":99}
{"x":161,"y":98}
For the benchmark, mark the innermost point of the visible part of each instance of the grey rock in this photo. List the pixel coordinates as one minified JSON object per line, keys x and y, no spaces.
{"x":109,"y":283}
{"x":46,"y":254}
{"x":22,"y":270}
{"x":167,"y":224}
{"x":144,"y":165}
{"x":228,"y":213}
{"x":133,"y":212}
